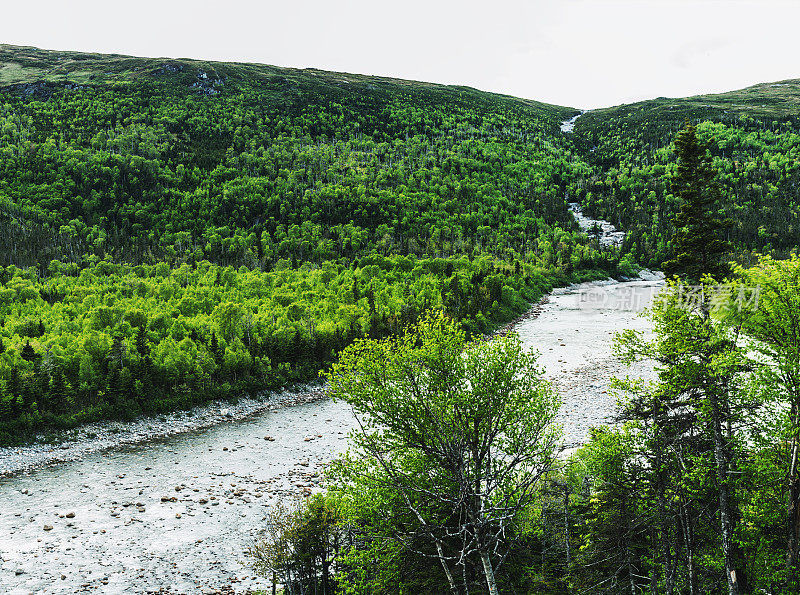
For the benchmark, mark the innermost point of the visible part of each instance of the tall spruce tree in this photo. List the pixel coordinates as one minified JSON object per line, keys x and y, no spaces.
{"x":692,"y":421}
{"x":697,"y":247}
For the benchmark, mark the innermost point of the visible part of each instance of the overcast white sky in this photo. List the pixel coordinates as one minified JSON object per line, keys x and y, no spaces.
{"x":580,"y":53}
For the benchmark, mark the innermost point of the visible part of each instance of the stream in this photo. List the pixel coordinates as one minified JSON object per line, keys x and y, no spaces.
{"x":568,"y":126}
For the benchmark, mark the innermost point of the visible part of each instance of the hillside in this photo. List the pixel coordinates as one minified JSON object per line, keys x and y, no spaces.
{"x":166,"y":222}
{"x":755,"y":140}
{"x":175,"y":230}
{"x":145,"y":158}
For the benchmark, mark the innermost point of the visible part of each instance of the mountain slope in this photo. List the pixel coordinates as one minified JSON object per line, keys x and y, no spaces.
{"x":348,"y":205}
{"x":175,"y":230}
{"x":180,"y":159}
{"x":755,"y":141}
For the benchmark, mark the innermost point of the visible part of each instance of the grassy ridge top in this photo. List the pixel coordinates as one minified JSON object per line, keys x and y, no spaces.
{"x":21,"y":65}
{"x":765,"y":100}
{"x":776,"y":101}
{"x":24,"y":65}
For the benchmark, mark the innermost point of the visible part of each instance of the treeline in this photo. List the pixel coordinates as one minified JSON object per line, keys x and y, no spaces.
{"x":114,"y":340}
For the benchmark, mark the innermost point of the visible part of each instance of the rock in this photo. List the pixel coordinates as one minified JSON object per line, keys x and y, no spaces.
{"x":48,"y":527}
{"x":70,"y":515}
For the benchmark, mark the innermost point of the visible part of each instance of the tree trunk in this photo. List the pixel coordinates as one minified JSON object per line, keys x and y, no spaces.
{"x":446,"y":568}
{"x":793,"y":509}
{"x":566,"y":522}
{"x":438,"y":542}
{"x":491,"y":584}
{"x":631,"y":573}
{"x":663,"y":526}
{"x":688,"y":540}
{"x":734,"y":575}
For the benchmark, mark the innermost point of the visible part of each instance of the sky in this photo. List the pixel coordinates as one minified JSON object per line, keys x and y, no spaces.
{"x":578,"y":53}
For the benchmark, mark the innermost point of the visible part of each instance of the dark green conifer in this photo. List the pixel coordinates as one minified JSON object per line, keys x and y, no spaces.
{"x":697,"y":247}
{"x":142,"y":347}
{"x":28,"y":354}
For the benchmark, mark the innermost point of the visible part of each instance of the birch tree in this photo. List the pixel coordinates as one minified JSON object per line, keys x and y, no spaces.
{"x":462,"y":431}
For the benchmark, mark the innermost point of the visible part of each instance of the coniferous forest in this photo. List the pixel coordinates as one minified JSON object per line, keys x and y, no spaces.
{"x":175,"y":231}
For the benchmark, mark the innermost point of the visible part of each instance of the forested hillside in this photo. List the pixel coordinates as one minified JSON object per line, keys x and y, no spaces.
{"x":163,"y":222}
{"x":245,"y":165}
{"x":754,"y":138}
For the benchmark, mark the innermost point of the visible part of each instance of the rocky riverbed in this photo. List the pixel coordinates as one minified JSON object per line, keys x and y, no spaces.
{"x":174,"y":513}
{"x":70,"y":445}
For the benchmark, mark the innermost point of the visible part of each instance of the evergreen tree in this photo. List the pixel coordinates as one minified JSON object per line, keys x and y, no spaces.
{"x":214,"y":348}
{"x":117,"y":355}
{"x":142,"y":348}
{"x":28,"y":354}
{"x":694,"y":417}
{"x":698,"y":249}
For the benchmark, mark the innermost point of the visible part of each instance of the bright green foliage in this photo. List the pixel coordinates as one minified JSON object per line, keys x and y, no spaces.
{"x":696,"y":414}
{"x":413,"y":195}
{"x":275,"y":165}
{"x":754,"y":151}
{"x":119,"y":340}
{"x":456,"y":435}
{"x":773,"y":322}
{"x":721,"y":420}
{"x":615,"y":537}
{"x":300,"y":546}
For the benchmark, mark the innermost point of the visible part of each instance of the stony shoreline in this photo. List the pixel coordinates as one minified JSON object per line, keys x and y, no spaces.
{"x":99,"y":436}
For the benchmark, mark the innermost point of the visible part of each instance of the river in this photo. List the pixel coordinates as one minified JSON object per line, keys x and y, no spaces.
{"x":569,"y":125}
{"x":177,"y":513}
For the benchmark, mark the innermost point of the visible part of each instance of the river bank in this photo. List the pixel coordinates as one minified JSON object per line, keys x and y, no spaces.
{"x":95,"y":437}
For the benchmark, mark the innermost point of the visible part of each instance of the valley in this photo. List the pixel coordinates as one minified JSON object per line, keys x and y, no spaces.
{"x":177,"y":513}
{"x":187,"y":246}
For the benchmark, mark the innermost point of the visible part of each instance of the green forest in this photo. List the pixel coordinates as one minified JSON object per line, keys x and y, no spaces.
{"x":243,"y":224}
{"x":755,"y":136}
{"x":175,"y":231}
